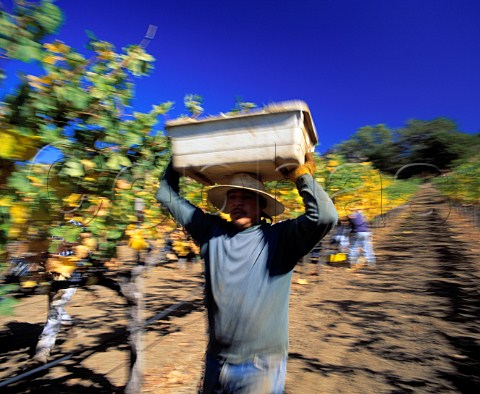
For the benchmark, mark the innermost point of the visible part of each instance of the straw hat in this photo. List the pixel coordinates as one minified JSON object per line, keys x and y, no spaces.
{"x":217,"y":195}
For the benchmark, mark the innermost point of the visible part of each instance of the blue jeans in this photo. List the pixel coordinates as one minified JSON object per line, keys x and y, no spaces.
{"x":361,"y":241}
{"x":262,"y":375}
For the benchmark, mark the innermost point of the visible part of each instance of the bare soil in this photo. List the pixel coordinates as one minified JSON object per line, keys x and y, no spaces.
{"x":412,"y":325}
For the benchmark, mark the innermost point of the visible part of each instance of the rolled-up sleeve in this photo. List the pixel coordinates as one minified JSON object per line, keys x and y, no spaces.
{"x":320,"y":216}
{"x":168,"y":195}
{"x":198,"y":223}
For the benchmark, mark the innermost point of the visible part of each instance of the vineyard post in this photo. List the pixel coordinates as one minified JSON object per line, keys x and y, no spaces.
{"x":132,"y":290}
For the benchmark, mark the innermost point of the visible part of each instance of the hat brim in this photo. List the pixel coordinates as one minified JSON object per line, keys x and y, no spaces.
{"x":217,"y":196}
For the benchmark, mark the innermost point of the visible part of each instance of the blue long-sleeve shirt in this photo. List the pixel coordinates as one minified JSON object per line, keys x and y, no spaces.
{"x":358,"y":223}
{"x":248,"y":272}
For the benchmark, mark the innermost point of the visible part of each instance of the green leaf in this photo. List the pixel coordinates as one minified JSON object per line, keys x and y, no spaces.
{"x":74,"y":169}
{"x":27,"y":53}
{"x":105,"y":121}
{"x":7,"y":305}
{"x":114,"y":234}
{"x":113,"y":163}
{"x":8,"y":288}
{"x":124,"y":161}
{"x":57,"y":231}
{"x":43,"y":105}
{"x":98,"y":93}
{"x":130,"y":139}
{"x":163,"y":108}
{"x":79,"y":98}
{"x":52,"y":16}
{"x":96,"y":227}
{"x":6,"y":26}
{"x":50,"y":135}
{"x":4,"y":43}
{"x":72,"y":234}
{"x":18,"y":182}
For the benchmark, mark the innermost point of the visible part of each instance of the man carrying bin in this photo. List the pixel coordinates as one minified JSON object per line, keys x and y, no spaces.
{"x":248,"y":270}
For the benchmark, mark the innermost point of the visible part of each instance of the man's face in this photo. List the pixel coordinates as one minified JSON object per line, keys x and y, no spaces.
{"x":244,"y":208}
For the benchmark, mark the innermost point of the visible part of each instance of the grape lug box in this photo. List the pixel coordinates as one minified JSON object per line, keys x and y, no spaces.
{"x":261,"y":141}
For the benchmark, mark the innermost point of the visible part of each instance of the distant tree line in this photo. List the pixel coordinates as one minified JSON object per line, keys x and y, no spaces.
{"x":437,"y":142}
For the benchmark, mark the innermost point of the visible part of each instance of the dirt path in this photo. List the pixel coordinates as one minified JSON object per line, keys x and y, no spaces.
{"x":412,"y":325}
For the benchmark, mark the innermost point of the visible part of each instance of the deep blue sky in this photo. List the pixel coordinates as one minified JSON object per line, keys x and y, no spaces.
{"x":355,"y":62}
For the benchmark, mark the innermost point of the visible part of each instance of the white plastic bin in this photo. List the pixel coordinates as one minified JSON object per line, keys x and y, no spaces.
{"x":260,"y":141}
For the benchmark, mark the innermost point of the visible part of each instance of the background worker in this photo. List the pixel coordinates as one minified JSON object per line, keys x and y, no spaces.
{"x":58,"y":298}
{"x":360,"y":239}
{"x":57,"y":317}
{"x":248,"y":271}
{"x":341,"y":238}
